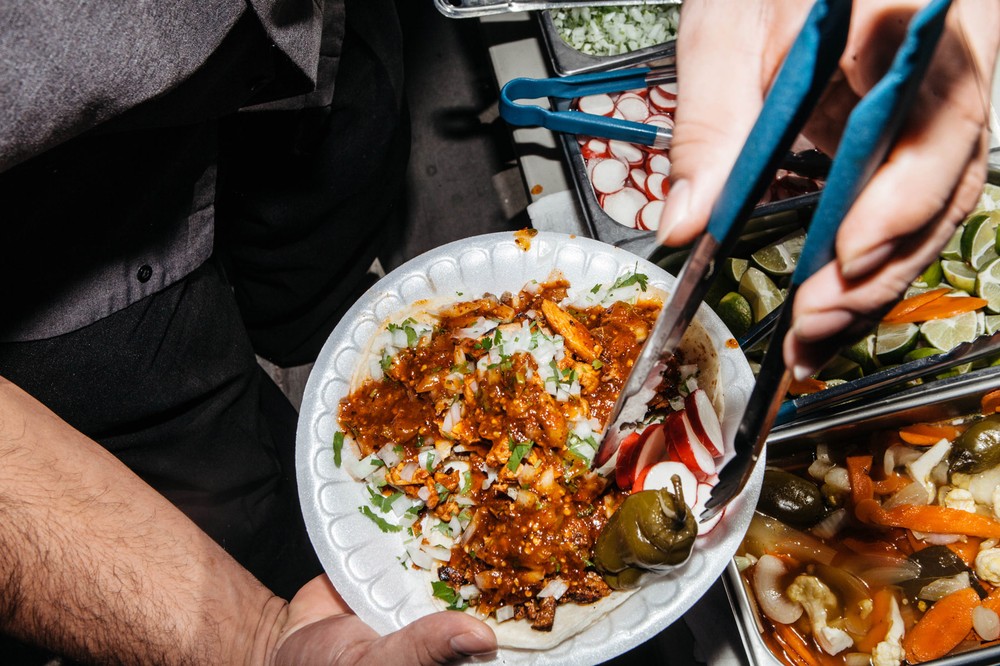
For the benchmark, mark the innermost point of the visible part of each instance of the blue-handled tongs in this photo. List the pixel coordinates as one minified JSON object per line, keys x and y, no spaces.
{"x":811,"y":61}
{"x":871,"y":130}
{"x":581,"y":85}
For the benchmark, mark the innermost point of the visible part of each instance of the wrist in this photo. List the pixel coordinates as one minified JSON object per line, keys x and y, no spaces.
{"x":271,"y":621}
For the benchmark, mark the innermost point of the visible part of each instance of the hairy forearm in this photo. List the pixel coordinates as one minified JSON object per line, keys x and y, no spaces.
{"x":97,"y":565}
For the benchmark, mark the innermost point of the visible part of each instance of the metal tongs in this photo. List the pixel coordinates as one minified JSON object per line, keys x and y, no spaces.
{"x":871,"y":130}
{"x":475,"y":8}
{"x":811,"y":61}
{"x":581,"y":85}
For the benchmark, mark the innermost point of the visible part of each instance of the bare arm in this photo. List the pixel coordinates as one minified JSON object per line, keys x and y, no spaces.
{"x":97,"y":565}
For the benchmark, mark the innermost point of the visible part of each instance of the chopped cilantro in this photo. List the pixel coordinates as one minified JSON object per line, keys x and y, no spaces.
{"x":596,"y":288}
{"x":466,"y":482}
{"x":597,"y":364}
{"x":484,"y":344}
{"x":445,"y":593}
{"x":338,"y":447}
{"x":381,"y":522}
{"x":517,"y":453}
{"x":628,"y":280}
{"x":385,"y":363}
{"x":383,"y":502}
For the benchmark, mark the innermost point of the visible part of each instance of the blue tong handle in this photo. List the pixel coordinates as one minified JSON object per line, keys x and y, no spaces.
{"x":577,"y":122}
{"x":871,"y":130}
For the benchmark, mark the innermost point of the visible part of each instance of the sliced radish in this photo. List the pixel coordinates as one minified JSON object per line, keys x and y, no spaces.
{"x":654,"y":186}
{"x":623,"y":205}
{"x":705,"y":421}
{"x":638,"y":178}
{"x":660,"y":476}
{"x":628,"y":454}
{"x":594,"y":148}
{"x":685,"y":446}
{"x":616,"y":114}
{"x":658,"y":163}
{"x":599,"y":105}
{"x":633,"y":107}
{"x":626,"y":152}
{"x":660,"y":120}
{"x":649,"y":216}
{"x":662,"y":100}
{"x":667,"y":89}
{"x":609,"y":176}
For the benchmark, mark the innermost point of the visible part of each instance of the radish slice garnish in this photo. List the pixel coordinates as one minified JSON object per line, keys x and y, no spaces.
{"x":660,"y":100}
{"x":638,"y":178}
{"x":660,"y":476}
{"x":658,"y":163}
{"x":599,"y":105}
{"x":649,"y":216}
{"x":623,"y":205}
{"x":660,"y":120}
{"x":640,"y":454}
{"x":705,"y":421}
{"x":594,"y":148}
{"x":667,"y":89}
{"x":633,"y":107}
{"x":654,"y":186}
{"x":609,"y":176}
{"x":685,"y":446}
{"x":626,"y":152}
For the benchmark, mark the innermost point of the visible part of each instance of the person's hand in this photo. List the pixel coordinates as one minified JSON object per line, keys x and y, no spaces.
{"x":729,"y":54}
{"x":320,"y":629}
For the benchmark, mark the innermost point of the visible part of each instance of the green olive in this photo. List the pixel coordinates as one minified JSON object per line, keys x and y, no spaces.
{"x":652,"y":530}
{"x":790,"y":498}
{"x":978,"y":448}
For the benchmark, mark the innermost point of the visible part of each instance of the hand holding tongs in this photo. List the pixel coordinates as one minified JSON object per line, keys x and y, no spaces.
{"x":871,"y":130}
{"x":581,"y":85}
{"x":811,"y":61}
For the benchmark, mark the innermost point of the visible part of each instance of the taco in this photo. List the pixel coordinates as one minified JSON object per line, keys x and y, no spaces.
{"x":475,"y":425}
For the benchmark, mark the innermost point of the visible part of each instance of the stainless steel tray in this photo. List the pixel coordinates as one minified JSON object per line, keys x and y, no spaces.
{"x":567,"y":60}
{"x":942,"y":399}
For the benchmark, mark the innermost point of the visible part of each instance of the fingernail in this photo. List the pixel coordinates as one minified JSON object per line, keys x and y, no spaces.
{"x":814,"y":326}
{"x":802,"y":372}
{"x":676,"y":210}
{"x":473,"y":643}
{"x":867,"y":262}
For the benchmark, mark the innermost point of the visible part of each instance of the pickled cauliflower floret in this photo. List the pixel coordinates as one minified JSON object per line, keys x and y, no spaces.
{"x":988,"y":562}
{"x":817,"y":599}
{"x":889,"y":652}
{"x":958,"y":498}
{"x":996,"y":501}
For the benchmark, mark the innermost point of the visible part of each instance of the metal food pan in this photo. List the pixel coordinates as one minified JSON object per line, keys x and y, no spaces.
{"x":943,"y":399}
{"x":567,"y":60}
{"x":777,"y":215}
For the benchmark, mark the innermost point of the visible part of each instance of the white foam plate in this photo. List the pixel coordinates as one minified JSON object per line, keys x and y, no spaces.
{"x":363,"y":562}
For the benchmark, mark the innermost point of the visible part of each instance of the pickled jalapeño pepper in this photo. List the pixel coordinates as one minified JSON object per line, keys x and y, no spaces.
{"x":652,"y":530}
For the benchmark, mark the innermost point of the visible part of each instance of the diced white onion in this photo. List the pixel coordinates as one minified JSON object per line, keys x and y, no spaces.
{"x":424,"y":493}
{"x":504,"y":613}
{"x":406,"y":474}
{"x":468,"y":592}
{"x":838,"y":478}
{"x":831,"y":525}
{"x":915,"y":493}
{"x":942,"y":587}
{"x":986,"y":623}
{"x":554,"y":588}
{"x":389,"y":455}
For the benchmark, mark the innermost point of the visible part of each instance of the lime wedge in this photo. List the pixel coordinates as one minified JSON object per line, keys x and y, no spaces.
{"x":892,"y":341}
{"x":735,"y":312}
{"x":735,"y":268}
{"x":780,"y":258}
{"x":988,"y":285}
{"x":931,"y":277}
{"x":979,"y":241}
{"x":958,"y":274}
{"x":991,"y":324}
{"x":921,"y":352}
{"x":946,"y":334}
{"x":862,"y":351}
{"x":953,"y":248}
{"x":762,"y":294}
{"x":990,"y":199}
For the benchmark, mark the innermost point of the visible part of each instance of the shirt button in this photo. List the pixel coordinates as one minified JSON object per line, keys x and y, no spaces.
{"x":144,"y":273}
